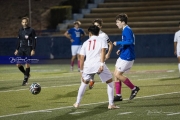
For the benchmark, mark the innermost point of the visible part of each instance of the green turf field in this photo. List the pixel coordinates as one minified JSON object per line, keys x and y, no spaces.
{"x":158,"y":99}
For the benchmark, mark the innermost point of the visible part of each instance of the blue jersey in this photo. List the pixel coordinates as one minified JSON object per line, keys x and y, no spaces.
{"x":76,"y":35}
{"x":127,"y":51}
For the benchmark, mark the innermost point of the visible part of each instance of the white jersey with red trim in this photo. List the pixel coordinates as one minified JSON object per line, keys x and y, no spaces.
{"x":92,"y":50}
{"x":104,"y":36}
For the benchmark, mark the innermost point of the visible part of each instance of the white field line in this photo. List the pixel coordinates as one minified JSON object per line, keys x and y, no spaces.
{"x":124,"y":113}
{"x":174,"y":113}
{"x":155,"y":78}
{"x":77,"y":112}
{"x":66,"y":107}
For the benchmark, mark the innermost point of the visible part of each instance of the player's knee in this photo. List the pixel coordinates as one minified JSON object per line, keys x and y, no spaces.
{"x":84,"y":81}
{"x":18,"y":65}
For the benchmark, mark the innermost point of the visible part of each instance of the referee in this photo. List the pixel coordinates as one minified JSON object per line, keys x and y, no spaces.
{"x":26,"y":45}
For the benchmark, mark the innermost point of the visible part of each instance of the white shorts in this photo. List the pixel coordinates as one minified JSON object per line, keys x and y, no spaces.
{"x":123,"y":65}
{"x":105,"y":75}
{"x":75,"y":49}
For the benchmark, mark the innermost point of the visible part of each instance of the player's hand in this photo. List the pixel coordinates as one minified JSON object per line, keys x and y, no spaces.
{"x":175,"y":52}
{"x":114,"y":43}
{"x":32,"y":52}
{"x":16,"y":52}
{"x":118,"y":52}
{"x":107,"y":56}
{"x":72,"y":40}
{"x":100,"y":70}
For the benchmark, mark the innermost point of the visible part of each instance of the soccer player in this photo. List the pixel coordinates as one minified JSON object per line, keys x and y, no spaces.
{"x":74,"y":35}
{"x":104,"y":36}
{"x":177,"y":46}
{"x":94,"y":51}
{"x":126,"y":57}
{"x":26,"y":45}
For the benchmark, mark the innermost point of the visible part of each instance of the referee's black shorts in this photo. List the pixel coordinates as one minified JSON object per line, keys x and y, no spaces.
{"x":24,"y":51}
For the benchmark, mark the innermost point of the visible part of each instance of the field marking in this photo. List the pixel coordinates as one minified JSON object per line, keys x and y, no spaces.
{"x":156,"y":78}
{"x":125,"y":113}
{"x":174,"y":113}
{"x":29,"y":112}
{"x":77,"y":112}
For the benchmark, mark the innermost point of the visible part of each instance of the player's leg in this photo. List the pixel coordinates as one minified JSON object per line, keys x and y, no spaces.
{"x":106,"y":76}
{"x":27,"y":53}
{"x":78,"y":57}
{"x":27,"y":74}
{"x":73,"y":57}
{"x":123,"y":66}
{"x":118,"y":86}
{"x":21,"y":68}
{"x":84,"y":82}
{"x":179,"y":64}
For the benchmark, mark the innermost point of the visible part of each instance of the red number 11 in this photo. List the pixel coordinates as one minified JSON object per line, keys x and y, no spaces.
{"x":93,"y":44}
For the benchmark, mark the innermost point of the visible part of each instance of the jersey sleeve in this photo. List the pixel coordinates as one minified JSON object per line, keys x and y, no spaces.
{"x":83,"y":49}
{"x":34,"y":39}
{"x":18,"y":41}
{"x":106,"y":38}
{"x":69,"y":31}
{"x":82,"y":32}
{"x":104,"y":44}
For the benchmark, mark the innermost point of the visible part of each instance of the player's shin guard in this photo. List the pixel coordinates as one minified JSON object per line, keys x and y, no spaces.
{"x":26,"y":76}
{"x":110,"y":91}
{"x":81,"y":91}
{"x":21,"y":68}
{"x":129,"y":84}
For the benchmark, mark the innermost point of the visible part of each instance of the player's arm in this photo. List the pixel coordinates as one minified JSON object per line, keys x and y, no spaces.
{"x":67,"y":35}
{"x":103,"y":52}
{"x":175,"y":48}
{"x":17,"y":45}
{"x":109,"y":50}
{"x":81,"y":62}
{"x":175,"y":45}
{"x":34,"y":41}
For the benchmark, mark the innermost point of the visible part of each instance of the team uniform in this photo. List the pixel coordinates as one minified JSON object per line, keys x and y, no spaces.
{"x":92,"y":63}
{"x":104,"y":36}
{"x":125,"y":62}
{"x":127,"y":53}
{"x":92,"y":50}
{"x":26,"y":41}
{"x":25,"y":44}
{"x":76,"y":36}
{"x":177,"y":39}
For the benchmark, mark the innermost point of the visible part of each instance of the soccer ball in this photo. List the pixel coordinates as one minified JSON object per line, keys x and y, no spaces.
{"x":35,"y":88}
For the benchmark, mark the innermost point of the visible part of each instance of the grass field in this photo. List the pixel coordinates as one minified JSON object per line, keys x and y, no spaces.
{"x":158,"y":99}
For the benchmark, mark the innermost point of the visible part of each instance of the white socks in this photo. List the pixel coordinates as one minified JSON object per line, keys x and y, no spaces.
{"x":81,"y":91}
{"x":110,"y":92}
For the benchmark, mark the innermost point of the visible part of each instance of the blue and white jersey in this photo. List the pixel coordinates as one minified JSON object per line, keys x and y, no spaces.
{"x":127,"y":51}
{"x":76,"y":35}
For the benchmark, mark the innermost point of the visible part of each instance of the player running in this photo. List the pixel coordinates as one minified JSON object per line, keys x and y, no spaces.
{"x":74,"y":35}
{"x":94,"y":51}
{"x":104,"y":36}
{"x":177,"y":46}
{"x":126,"y":57}
{"x":26,"y":45}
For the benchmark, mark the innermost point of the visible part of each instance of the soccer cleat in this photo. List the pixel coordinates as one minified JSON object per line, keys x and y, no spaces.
{"x":110,"y":107}
{"x":76,"y":105}
{"x":91,"y":84}
{"x":134,"y":93}
{"x":71,"y":68}
{"x":24,"y":83}
{"x":118,"y":98}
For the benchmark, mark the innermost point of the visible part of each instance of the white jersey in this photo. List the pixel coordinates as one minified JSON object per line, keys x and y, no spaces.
{"x":92,"y":50}
{"x":104,"y":36}
{"x":177,"y":39}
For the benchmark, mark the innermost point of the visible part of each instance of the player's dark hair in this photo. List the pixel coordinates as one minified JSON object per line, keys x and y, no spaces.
{"x":25,"y":18}
{"x":99,"y":21}
{"x":94,"y":30}
{"x":122,"y":17}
